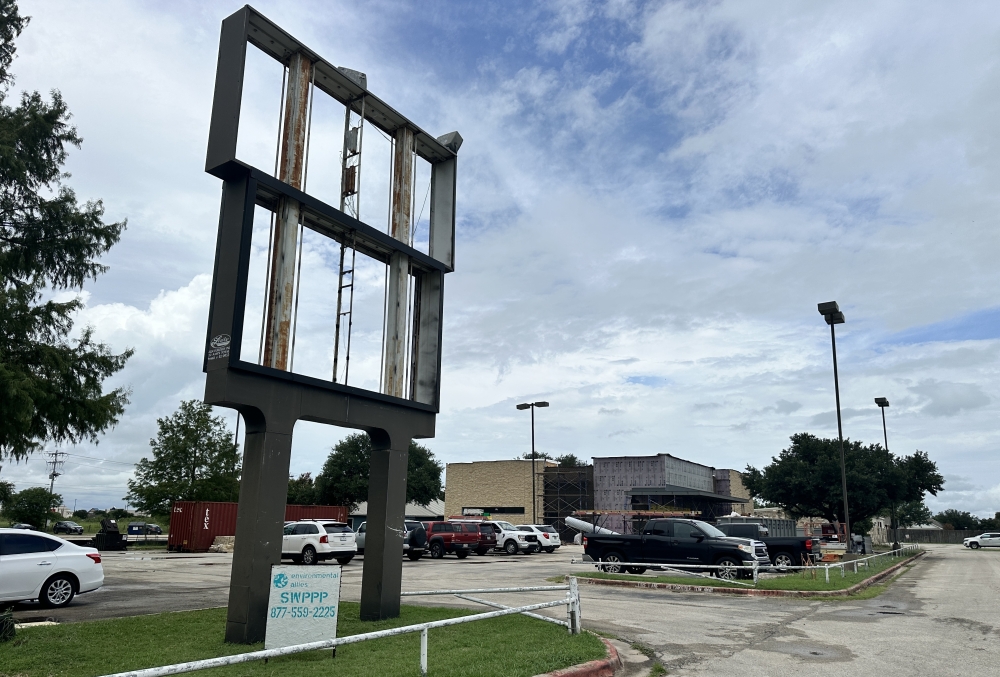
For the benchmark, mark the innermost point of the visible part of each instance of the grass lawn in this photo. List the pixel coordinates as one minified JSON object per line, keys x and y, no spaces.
{"x":799,"y":580}
{"x":510,"y":645}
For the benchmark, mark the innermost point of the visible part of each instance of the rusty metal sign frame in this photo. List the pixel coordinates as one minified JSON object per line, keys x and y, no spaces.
{"x":272,"y":399}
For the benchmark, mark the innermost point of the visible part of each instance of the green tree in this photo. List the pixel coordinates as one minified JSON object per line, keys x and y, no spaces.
{"x":194,"y":459}
{"x":991,"y":523}
{"x":80,"y":514}
{"x":6,"y":491}
{"x":957,"y":519}
{"x":805,"y":479}
{"x":570,"y":461}
{"x":344,"y":478}
{"x":526,"y":456}
{"x":912,"y":513}
{"x":32,"y":506}
{"x":51,"y":385}
{"x":301,"y":491}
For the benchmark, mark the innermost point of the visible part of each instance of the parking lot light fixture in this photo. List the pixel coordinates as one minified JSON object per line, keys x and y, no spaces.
{"x":534,"y":497}
{"x":833,"y":316}
{"x":882,"y":403}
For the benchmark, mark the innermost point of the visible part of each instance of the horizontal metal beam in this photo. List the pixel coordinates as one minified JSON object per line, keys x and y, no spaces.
{"x":268,"y":37}
{"x":327,"y":220}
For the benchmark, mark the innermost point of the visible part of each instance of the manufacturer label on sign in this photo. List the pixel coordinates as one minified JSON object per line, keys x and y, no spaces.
{"x":218,"y":347}
{"x":303,"y":605}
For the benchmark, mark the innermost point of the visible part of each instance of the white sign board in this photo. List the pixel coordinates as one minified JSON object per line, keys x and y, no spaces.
{"x":303,"y":605}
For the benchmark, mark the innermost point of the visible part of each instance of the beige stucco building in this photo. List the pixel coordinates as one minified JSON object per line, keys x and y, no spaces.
{"x":501,"y":489}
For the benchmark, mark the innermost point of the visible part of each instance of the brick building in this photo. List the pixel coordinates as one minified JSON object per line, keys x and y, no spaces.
{"x":501,"y":489}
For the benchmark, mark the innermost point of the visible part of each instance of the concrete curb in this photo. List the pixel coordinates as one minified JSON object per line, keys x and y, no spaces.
{"x":602,"y":667}
{"x":752,"y":592}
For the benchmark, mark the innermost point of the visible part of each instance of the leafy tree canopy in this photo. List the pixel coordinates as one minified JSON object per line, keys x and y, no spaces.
{"x":194,"y":459}
{"x":50,"y":384}
{"x":570,"y":461}
{"x":80,"y":514}
{"x":805,"y":479}
{"x":912,"y":513}
{"x":526,"y":456}
{"x":32,"y":506}
{"x":344,"y":478}
{"x":302,"y":491}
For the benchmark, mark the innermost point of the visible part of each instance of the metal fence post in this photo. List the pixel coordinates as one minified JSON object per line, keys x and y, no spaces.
{"x":574,"y":617}
{"x":755,"y":566}
{"x":827,"y":569}
{"x":423,"y":652}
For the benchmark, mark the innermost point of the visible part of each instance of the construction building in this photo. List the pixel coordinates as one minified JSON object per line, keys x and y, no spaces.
{"x":664,"y":483}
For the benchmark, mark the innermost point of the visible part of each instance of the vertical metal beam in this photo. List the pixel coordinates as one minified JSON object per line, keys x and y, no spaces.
{"x":382,"y":577}
{"x":259,"y":520}
{"x":399,"y":266}
{"x":293,"y":139}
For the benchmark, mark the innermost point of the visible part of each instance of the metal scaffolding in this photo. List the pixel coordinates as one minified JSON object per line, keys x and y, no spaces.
{"x":565,"y":491}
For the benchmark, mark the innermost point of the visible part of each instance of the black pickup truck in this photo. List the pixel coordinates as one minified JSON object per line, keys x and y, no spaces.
{"x":675,"y":541}
{"x":784,"y":551}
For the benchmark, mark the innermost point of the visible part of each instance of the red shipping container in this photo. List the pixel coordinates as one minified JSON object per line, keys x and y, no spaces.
{"x":337,"y":513}
{"x":195,"y":524}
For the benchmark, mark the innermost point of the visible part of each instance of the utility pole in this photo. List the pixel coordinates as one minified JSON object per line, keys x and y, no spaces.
{"x":55,"y":463}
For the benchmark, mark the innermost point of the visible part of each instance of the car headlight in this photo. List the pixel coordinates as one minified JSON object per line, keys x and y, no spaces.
{"x":746,"y":548}
{"x":520,"y":537}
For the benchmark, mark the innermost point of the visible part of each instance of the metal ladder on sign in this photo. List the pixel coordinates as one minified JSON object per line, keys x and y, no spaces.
{"x":350,"y":201}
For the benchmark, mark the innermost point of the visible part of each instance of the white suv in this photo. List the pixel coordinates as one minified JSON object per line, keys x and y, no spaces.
{"x":312,"y":541}
{"x":511,"y":540}
{"x":34,"y":565}
{"x":987,"y":540}
{"x":548,"y":537}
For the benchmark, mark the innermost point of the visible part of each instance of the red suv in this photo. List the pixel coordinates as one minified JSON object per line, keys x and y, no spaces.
{"x":487,"y":537}
{"x":445,"y":537}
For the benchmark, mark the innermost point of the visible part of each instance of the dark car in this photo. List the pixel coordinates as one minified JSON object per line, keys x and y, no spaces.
{"x":142,"y":528}
{"x":67,"y":528}
{"x":23,"y":526}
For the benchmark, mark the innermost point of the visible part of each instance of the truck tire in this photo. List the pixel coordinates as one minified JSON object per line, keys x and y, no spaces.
{"x":510,"y":547}
{"x":345,"y":560}
{"x":482,"y":551}
{"x":462,"y":554}
{"x":437,"y":550}
{"x":729,"y":572}
{"x":636,"y":570}
{"x":549,"y":550}
{"x":309,"y":555}
{"x":783,"y":560}
{"x":414,"y":556}
{"x":614,"y":567}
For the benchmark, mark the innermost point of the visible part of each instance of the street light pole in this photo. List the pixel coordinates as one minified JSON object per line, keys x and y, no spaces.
{"x":831,"y":313}
{"x":882,"y":403}
{"x":534,"y":491}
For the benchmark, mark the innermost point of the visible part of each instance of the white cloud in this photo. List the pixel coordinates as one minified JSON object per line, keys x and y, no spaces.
{"x":660,"y":194}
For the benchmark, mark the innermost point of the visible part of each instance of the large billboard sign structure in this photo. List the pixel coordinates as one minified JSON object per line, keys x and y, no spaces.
{"x":264,"y":387}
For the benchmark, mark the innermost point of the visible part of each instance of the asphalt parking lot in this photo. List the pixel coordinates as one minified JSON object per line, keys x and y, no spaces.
{"x":941,"y":617}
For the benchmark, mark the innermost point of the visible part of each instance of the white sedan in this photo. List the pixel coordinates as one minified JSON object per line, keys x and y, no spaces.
{"x":34,"y":565}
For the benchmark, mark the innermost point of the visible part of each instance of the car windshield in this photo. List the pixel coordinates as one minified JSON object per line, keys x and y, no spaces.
{"x":708,"y":529}
{"x":71,"y":524}
{"x":506,"y":526}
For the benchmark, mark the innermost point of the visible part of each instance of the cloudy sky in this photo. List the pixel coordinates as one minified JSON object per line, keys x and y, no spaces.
{"x":652,"y":200}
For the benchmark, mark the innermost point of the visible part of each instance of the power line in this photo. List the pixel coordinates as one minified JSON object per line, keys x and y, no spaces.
{"x":94,"y":458}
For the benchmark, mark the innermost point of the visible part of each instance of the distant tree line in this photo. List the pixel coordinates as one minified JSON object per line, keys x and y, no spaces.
{"x":564,"y":461}
{"x":961,"y":520}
